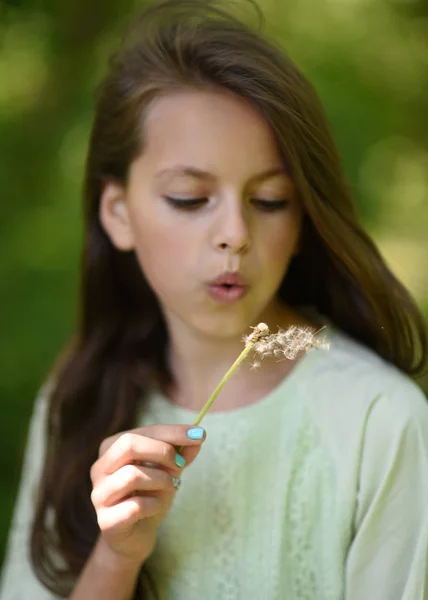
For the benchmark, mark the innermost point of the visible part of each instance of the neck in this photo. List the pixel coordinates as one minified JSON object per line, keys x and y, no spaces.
{"x":198,"y":362}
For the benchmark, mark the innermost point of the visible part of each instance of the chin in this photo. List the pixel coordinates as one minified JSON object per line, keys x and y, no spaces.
{"x":223,"y":327}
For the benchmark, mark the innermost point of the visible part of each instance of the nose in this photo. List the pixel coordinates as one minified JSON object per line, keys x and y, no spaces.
{"x":232,"y":232}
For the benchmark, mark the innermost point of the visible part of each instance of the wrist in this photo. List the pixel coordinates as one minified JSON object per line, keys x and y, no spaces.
{"x":106,"y":557}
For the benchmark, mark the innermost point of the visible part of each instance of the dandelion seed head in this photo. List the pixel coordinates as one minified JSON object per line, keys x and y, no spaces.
{"x":289,"y":343}
{"x":260,"y":331}
{"x":260,"y":347}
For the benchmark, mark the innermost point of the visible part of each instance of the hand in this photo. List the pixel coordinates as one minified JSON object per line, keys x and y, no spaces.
{"x":132,"y":498}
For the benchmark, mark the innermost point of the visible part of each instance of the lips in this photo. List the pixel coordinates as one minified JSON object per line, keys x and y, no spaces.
{"x":228,"y":287}
{"x":229,"y":279}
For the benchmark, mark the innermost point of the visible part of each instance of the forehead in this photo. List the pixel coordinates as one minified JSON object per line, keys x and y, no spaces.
{"x":213,"y":131}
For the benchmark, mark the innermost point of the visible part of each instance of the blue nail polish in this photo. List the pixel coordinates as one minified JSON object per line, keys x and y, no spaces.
{"x":180,"y":461}
{"x":197,"y":433}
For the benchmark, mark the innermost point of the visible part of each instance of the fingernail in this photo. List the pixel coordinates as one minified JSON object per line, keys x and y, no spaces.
{"x":180,"y":461}
{"x":197,"y":433}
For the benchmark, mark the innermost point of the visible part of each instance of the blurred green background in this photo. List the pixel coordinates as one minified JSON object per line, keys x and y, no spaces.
{"x":368,"y":60}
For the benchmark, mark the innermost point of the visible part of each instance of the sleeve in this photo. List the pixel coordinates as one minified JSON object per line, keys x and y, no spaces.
{"x":18,"y":580}
{"x":387,"y":559}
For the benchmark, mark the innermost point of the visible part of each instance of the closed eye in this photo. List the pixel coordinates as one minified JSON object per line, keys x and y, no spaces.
{"x":194,"y":203}
{"x":270,"y":205}
{"x":186,"y":203}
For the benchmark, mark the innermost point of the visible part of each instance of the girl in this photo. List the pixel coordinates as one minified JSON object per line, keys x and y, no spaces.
{"x":214,"y":200}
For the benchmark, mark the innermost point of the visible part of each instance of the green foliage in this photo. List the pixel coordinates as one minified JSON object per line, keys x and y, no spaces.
{"x":368,"y":63}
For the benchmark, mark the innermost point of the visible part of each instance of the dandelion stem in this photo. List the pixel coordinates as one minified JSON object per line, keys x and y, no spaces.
{"x":225,"y":378}
{"x":252,"y":339}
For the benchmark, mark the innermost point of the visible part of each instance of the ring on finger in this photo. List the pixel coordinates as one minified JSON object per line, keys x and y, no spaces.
{"x":176,"y":482}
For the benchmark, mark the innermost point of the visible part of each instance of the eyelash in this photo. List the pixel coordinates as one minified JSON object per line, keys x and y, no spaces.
{"x":195,"y":203}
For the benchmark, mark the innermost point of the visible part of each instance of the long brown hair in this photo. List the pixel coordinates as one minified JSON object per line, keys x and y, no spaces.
{"x":121,"y":337}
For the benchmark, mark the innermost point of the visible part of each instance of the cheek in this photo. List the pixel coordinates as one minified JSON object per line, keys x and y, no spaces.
{"x":163,"y":251}
{"x":281,"y":243}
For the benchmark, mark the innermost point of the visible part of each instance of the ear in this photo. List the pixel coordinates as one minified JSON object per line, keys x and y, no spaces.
{"x":114,"y":216}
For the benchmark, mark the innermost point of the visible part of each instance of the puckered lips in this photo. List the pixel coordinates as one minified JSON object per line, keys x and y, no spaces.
{"x":228,"y":287}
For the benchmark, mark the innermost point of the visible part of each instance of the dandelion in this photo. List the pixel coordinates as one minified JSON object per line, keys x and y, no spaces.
{"x":290,"y":343}
{"x":283,"y":344}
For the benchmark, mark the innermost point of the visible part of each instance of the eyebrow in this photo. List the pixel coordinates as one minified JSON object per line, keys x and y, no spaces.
{"x":207,"y":176}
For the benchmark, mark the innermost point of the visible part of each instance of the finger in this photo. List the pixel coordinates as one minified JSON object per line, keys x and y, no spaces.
{"x":128,"y":512}
{"x":171,"y":434}
{"x":189,"y":454}
{"x":128,"y":481}
{"x":131,"y":448}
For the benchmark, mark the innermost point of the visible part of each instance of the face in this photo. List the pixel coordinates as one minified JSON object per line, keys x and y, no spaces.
{"x":208,"y":194}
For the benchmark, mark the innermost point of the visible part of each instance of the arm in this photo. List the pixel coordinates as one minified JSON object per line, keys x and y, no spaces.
{"x":105,"y":576}
{"x":388,"y":557}
{"x":131,"y":501}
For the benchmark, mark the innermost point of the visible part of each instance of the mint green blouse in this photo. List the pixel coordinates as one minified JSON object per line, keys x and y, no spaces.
{"x":318,"y":491}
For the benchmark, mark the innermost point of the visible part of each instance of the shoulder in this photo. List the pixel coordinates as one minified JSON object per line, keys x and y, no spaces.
{"x":352,"y":371}
{"x":351,"y":386}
